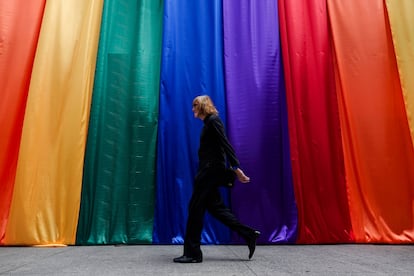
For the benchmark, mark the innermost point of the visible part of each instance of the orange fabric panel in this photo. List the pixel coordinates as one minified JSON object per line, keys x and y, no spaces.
{"x":19,"y":30}
{"x":46,"y":197}
{"x":379,"y":157}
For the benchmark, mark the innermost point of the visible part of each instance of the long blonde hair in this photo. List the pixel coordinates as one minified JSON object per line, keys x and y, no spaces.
{"x":205,"y":105}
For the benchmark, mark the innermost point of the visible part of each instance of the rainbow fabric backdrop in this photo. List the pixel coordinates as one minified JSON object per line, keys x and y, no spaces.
{"x":98,"y":143}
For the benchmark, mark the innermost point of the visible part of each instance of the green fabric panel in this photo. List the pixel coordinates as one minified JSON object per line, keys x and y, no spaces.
{"x":117,"y":204}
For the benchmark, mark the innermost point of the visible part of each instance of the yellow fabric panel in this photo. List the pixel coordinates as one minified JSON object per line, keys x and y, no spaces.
{"x":46,"y":197}
{"x":401,"y":16}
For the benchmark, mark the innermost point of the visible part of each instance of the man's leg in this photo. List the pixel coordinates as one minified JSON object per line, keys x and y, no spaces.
{"x":217,"y":208}
{"x":196,"y":211}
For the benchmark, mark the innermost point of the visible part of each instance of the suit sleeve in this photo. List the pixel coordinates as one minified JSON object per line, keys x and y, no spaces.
{"x":224,"y":142}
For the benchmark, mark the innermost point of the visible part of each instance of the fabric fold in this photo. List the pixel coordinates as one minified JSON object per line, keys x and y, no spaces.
{"x":379,"y":157}
{"x":119,"y":171}
{"x":257,"y":119}
{"x":46,"y":196}
{"x":19,"y":33}
{"x":192,"y":64}
{"x":314,"y":126}
{"x":400,"y":14}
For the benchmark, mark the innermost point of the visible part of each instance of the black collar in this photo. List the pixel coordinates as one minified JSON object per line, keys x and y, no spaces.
{"x":207,"y":118}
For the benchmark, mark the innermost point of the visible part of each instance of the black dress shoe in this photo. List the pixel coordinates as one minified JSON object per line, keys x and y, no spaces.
{"x":251,"y":243}
{"x":186,"y":260}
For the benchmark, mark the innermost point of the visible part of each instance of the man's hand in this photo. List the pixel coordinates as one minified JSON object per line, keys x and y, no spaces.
{"x":241,"y":176}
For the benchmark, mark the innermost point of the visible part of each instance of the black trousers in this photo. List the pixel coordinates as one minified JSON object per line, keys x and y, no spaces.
{"x":206,"y":197}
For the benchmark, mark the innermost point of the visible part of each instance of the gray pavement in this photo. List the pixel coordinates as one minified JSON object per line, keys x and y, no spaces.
{"x":347,"y":259}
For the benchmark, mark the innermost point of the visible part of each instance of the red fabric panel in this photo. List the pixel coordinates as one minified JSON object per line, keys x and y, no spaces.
{"x":379,"y":156}
{"x":19,"y":29}
{"x":314,"y":128}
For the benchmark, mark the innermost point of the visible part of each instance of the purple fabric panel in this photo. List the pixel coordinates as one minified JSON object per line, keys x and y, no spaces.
{"x":257,"y":119}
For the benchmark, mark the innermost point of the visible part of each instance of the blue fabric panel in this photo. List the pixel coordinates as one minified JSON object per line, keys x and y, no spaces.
{"x":192,"y":64}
